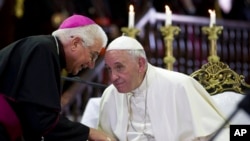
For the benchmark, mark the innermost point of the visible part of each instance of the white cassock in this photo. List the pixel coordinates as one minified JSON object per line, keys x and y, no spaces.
{"x":178,"y":108}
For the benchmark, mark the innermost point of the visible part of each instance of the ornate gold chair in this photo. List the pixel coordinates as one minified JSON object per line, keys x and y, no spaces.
{"x":224,"y":85}
{"x":226,"y":88}
{"x":217,"y":78}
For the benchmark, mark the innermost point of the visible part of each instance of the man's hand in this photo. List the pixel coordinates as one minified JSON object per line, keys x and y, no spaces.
{"x":96,"y":135}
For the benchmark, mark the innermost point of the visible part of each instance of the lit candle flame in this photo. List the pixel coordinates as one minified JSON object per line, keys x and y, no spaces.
{"x":131,"y":16}
{"x":212,"y":17}
{"x":168,"y":20}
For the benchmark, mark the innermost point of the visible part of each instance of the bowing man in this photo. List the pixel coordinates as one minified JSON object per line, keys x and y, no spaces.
{"x":30,"y":80}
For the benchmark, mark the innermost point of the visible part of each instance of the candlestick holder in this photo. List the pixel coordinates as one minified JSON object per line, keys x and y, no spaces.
{"x":213,"y":33}
{"x":168,"y":33}
{"x":131,"y":32}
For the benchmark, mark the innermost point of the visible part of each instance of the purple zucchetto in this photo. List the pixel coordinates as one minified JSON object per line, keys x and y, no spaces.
{"x":76,"y":21}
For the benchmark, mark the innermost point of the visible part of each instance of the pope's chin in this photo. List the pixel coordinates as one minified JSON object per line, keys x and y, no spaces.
{"x":121,"y":89}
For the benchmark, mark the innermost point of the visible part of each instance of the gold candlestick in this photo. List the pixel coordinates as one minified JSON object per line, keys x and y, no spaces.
{"x":131,"y":32}
{"x":213,"y":33}
{"x":168,"y":33}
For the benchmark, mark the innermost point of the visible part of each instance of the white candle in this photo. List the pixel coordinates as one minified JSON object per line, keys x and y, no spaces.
{"x":131,"y":17}
{"x":168,"y":20}
{"x":212,"y":17}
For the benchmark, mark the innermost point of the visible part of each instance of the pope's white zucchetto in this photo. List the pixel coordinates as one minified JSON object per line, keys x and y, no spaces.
{"x":124,"y":43}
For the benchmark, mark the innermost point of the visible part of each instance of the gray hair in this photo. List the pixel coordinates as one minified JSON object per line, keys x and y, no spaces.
{"x":137,"y":53}
{"x":89,"y":34}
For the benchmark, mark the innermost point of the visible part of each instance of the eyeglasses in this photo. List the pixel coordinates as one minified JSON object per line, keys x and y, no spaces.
{"x":93,"y":54}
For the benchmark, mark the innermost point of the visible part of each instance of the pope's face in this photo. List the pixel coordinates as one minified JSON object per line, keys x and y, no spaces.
{"x":125,"y":71}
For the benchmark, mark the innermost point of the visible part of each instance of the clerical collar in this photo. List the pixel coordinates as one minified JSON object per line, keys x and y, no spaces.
{"x":60,"y":52}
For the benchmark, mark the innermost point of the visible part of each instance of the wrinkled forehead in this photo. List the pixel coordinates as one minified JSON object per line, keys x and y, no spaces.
{"x":113,"y":56}
{"x":117,"y":54}
{"x":97,"y":46}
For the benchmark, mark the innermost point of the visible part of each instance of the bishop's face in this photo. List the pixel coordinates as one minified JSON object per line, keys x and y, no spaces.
{"x":125,"y":71}
{"x":79,"y":56}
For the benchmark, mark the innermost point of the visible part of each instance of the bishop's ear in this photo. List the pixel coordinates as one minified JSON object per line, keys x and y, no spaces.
{"x":76,"y":42}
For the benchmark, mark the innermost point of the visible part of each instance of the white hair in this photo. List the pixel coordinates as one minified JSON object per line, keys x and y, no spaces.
{"x":89,"y":34}
{"x":137,"y":53}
